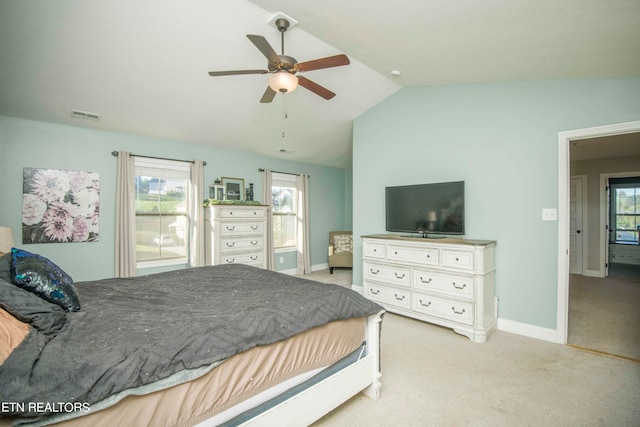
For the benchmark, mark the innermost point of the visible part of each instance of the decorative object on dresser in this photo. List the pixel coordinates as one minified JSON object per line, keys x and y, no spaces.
{"x":233,"y":188}
{"x":236,"y":234}
{"x":448,"y":282}
{"x":216,"y":190}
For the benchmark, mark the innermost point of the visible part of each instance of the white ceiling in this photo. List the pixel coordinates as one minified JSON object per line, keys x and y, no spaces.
{"x":142,"y":64}
{"x":626,"y":144}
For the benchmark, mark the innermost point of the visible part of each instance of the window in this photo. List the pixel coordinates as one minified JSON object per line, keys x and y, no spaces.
{"x":283,"y":200}
{"x":162,"y":217}
{"x":625,"y":210}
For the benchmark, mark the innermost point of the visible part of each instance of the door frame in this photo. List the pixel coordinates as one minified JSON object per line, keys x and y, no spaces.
{"x":584,"y":225}
{"x":564,"y":147}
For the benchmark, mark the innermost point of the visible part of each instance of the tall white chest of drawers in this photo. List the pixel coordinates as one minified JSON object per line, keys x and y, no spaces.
{"x":236,"y":234}
{"x":448,"y":282}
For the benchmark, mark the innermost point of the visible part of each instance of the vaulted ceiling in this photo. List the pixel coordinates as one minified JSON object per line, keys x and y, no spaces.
{"x":142,"y":64}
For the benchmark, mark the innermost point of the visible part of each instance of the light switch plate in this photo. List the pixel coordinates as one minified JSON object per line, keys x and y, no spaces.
{"x":549,"y":214}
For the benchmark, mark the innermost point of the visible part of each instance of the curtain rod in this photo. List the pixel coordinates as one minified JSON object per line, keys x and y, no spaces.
{"x":115,"y":154}
{"x":286,"y":173}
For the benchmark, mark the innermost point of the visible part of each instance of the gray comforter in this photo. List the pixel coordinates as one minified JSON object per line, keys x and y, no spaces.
{"x":137,"y":331}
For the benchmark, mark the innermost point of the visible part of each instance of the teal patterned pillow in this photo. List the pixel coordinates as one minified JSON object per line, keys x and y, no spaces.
{"x":42,"y":277}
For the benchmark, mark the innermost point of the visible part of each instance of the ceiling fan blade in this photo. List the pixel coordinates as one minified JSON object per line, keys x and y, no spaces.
{"x":268,"y":95}
{"x":263,"y":45}
{"x":315,"y":88}
{"x":233,"y":73}
{"x":328,"y":62}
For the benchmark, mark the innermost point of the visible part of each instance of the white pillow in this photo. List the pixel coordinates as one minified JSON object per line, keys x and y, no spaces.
{"x":343,"y":243}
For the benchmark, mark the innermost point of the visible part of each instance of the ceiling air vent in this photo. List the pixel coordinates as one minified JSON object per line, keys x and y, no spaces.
{"x":85,"y":115}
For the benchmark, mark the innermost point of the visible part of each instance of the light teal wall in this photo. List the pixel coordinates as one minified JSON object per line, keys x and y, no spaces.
{"x":25,"y":143}
{"x":502,"y":140}
{"x":348,"y":199}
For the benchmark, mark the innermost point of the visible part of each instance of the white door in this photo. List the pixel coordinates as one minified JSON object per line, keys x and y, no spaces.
{"x":576,"y":233}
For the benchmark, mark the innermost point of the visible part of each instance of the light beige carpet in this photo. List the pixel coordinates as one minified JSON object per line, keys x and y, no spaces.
{"x":434,"y":377}
{"x":604,"y":313}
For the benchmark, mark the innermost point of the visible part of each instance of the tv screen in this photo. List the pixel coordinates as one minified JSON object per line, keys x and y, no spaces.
{"x":426,"y":208}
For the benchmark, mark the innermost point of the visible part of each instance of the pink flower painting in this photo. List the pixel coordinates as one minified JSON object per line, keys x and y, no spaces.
{"x":60,"y":206}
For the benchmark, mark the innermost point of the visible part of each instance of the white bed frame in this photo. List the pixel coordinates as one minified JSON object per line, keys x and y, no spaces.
{"x":312,"y":403}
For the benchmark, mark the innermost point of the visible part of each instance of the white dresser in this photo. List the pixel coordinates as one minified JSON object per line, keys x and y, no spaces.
{"x":236,"y":234}
{"x":449,"y":282}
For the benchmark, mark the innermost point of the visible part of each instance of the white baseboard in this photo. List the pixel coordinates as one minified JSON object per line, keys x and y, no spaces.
{"x":318,"y":267}
{"x":315,"y":267}
{"x":593,"y":273}
{"x":527,"y":330}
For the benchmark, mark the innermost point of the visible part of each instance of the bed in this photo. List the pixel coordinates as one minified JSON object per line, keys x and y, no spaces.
{"x":218,"y":345}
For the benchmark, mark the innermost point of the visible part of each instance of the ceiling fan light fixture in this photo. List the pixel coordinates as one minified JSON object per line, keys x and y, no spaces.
{"x":283,"y":81}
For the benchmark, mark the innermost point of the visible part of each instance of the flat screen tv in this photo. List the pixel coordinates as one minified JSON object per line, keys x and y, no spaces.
{"x":436,"y":208}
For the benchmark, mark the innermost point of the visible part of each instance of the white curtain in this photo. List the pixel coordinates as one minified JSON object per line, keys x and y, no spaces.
{"x":303,"y":231}
{"x":266,"y":197}
{"x":196,"y":225}
{"x":125,"y":217}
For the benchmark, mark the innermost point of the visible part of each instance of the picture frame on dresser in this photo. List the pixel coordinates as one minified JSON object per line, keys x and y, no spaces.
{"x":233,"y":188}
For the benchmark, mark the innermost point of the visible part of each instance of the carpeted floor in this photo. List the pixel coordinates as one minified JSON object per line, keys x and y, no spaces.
{"x":434,"y":377}
{"x":604,"y":314}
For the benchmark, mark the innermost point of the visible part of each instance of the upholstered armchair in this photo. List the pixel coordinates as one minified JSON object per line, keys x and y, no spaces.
{"x":340,"y":249}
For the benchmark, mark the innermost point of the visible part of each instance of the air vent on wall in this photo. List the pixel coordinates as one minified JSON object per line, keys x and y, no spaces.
{"x":85,"y":115}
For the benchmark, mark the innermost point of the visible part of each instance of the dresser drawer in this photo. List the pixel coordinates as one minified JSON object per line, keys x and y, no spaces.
{"x":242,"y":213}
{"x":388,"y":273}
{"x":241,"y":228}
{"x":256,"y":258}
{"x":441,"y":307}
{"x":458,"y":286}
{"x":387,"y":295}
{"x":241,"y":244}
{"x":411,"y":254}
{"x":374,"y":250}
{"x":458,"y":259}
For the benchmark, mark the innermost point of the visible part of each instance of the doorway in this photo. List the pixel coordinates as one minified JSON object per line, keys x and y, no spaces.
{"x":564,"y":208}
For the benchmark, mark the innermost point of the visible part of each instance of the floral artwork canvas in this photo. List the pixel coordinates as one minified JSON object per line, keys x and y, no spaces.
{"x":60,"y":206}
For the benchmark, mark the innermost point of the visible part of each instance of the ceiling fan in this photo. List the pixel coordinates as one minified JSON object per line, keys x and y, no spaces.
{"x":283,"y":68}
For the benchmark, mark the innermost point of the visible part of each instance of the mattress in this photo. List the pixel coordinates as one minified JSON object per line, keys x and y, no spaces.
{"x":253,"y":376}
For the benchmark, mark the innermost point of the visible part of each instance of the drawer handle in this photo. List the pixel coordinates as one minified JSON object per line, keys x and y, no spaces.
{"x":457,"y":259}
{"x":253,"y":258}
{"x":254,"y":242}
{"x":230,"y":261}
{"x":374,"y":292}
{"x":231,"y":228}
{"x":374,"y":272}
{"x":428,"y":256}
{"x":399,"y":277}
{"x":427,"y":281}
{"x":375,"y":250}
{"x":425,"y":305}
{"x":395,"y":252}
{"x":254,"y":227}
{"x":457,"y":312}
{"x":230,"y":245}
{"x":464,"y":285}
{"x":398,"y":298}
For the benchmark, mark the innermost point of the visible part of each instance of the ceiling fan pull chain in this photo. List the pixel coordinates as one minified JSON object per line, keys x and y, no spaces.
{"x":284,"y":111}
